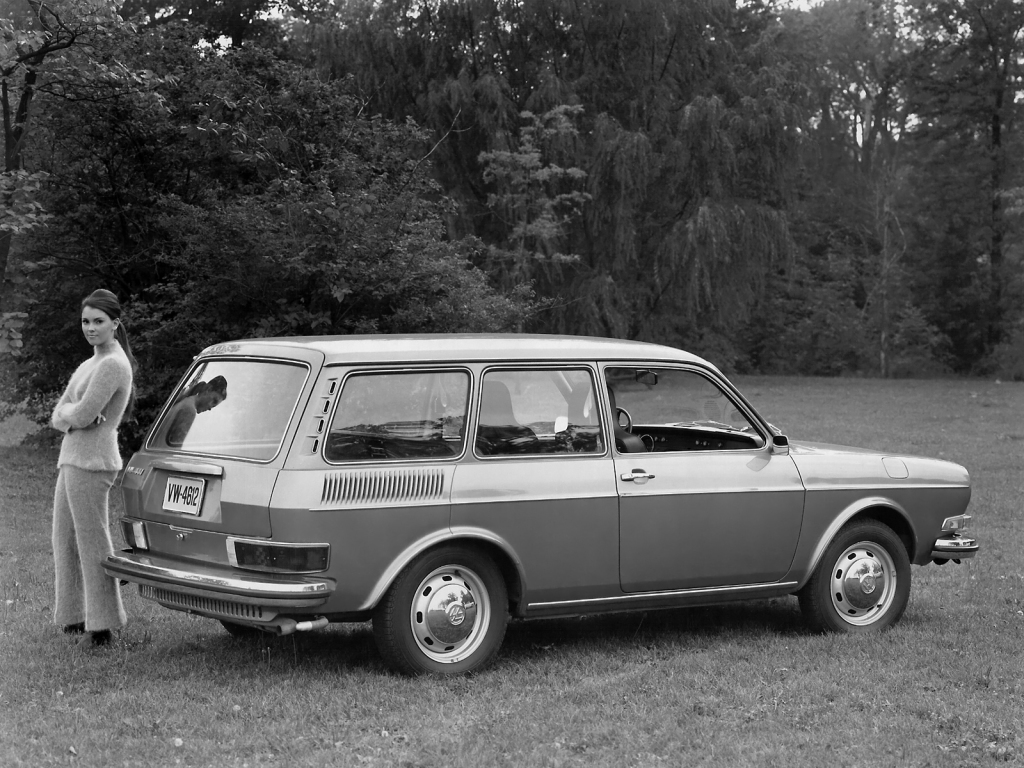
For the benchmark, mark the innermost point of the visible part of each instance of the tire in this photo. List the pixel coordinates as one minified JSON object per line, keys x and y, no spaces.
{"x":445,"y":614}
{"x":240,"y":631}
{"x":861,"y":584}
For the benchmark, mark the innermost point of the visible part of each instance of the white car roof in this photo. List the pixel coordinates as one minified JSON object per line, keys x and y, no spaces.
{"x":467,"y":347}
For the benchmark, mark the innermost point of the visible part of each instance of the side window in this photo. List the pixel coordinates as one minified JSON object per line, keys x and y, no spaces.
{"x":400,"y":415}
{"x":532,"y":412}
{"x":673,"y":409}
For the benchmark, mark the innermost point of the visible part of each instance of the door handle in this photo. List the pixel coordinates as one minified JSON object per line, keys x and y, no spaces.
{"x":637,"y":476}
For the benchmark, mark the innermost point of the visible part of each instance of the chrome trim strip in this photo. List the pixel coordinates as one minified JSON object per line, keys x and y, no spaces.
{"x":955,"y":547}
{"x":289,"y":423}
{"x":524,"y":365}
{"x":649,"y":490}
{"x":811,"y":488}
{"x":505,"y":499}
{"x":188,"y":467}
{"x":247,"y":586}
{"x":356,"y":368}
{"x":667,"y":593}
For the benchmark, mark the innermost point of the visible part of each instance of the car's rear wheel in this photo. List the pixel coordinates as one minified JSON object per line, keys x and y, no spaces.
{"x":862,"y":583}
{"x":446,"y":614}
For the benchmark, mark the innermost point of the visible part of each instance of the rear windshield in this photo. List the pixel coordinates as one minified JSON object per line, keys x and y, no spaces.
{"x":233,"y":408}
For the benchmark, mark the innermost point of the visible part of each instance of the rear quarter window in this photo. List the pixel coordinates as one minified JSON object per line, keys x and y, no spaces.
{"x":232,"y":408}
{"x":399,"y":416}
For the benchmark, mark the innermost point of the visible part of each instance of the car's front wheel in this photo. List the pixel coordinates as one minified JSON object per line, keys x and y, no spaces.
{"x":446,"y":613}
{"x":862,"y":582}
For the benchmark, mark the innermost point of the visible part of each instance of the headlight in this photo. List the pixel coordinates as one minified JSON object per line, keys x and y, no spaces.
{"x":278,"y":558}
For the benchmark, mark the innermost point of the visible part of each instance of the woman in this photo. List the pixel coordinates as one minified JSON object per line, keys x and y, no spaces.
{"x":198,"y":398}
{"x":100,"y":394}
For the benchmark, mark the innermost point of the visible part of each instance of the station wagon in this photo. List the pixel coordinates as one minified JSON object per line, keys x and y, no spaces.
{"x":441,"y":485}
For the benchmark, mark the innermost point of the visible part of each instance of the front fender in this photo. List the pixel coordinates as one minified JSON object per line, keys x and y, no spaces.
{"x":882,"y":508}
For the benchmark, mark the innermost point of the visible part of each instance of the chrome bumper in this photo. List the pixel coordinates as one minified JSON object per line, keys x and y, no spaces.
{"x":954,"y":547}
{"x":206,"y":582}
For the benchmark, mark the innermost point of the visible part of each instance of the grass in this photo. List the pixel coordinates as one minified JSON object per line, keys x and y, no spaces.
{"x":742,"y":685}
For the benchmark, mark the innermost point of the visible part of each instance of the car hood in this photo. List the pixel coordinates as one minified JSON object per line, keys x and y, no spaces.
{"x":823,"y":464}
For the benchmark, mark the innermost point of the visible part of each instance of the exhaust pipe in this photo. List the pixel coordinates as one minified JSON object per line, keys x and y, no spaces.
{"x":285,"y":626}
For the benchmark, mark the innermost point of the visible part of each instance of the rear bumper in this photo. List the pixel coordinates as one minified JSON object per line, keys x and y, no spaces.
{"x":160,"y":580}
{"x":954,"y":547}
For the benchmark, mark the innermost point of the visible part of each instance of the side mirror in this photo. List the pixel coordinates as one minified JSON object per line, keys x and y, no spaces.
{"x":650,"y":378}
{"x":780,"y":445}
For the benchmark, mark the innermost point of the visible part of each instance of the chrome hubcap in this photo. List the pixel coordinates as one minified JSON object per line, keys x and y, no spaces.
{"x":449,"y":614}
{"x":863,"y":583}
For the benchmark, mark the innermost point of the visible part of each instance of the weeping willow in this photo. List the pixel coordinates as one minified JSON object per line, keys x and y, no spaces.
{"x":676,"y":161}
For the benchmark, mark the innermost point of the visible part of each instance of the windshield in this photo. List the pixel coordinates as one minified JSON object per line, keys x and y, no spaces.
{"x":236,"y":408}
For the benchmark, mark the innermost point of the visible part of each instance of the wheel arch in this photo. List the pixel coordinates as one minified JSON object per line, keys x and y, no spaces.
{"x":494,"y":547}
{"x":877,"y":508}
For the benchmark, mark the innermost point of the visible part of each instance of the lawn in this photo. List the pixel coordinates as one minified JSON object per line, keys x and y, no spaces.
{"x":743,"y":685}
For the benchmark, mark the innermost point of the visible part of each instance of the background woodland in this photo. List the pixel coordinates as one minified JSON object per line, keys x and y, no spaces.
{"x":831,"y":190}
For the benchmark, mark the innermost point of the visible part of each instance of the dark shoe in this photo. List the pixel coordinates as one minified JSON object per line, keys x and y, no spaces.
{"x":73,"y":629}
{"x":103,"y":637}
{"x":98,"y":639}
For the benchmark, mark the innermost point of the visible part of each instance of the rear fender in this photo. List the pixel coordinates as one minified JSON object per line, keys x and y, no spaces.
{"x":512,"y":567}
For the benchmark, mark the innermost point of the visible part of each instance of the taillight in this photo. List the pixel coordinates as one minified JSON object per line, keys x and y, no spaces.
{"x":134,"y":532}
{"x":278,"y":558}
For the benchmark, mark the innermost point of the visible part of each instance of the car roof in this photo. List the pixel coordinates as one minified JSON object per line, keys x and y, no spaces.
{"x":464,"y":347}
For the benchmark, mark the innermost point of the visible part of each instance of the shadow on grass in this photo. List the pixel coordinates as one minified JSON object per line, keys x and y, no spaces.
{"x":350,"y":649}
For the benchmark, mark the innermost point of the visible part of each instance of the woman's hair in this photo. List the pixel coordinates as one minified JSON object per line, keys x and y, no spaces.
{"x":219,"y":385}
{"x":107,"y":302}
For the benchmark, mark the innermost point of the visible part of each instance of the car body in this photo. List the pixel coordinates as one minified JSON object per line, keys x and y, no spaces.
{"x":440,"y":484}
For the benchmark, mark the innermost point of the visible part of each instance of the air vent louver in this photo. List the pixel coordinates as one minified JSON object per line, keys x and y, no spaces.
{"x":394,"y":486}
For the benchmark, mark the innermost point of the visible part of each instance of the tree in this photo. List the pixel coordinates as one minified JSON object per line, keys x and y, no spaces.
{"x":966,"y":93}
{"x":684,"y":137}
{"x":41,"y":42}
{"x":237,"y":20}
{"x":536,"y":199}
{"x":242,"y":196}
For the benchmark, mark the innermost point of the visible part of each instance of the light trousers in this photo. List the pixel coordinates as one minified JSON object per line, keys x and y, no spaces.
{"x":81,"y":542}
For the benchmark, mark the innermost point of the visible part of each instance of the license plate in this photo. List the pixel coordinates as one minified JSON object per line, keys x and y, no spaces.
{"x":184,"y":494}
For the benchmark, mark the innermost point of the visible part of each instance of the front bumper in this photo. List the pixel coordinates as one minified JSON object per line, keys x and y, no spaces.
{"x":954,"y":547}
{"x":170,"y":582}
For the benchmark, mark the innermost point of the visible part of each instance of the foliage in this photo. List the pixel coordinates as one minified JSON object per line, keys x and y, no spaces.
{"x":838,"y":183}
{"x":965,"y":87}
{"x":237,"y":20}
{"x":241,"y":196}
{"x":683,"y":132}
{"x":22,"y":210}
{"x":46,"y":48}
{"x":11,"y":342}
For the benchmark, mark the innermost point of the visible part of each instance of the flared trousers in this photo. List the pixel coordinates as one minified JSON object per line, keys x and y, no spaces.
{"x":81,"y":542}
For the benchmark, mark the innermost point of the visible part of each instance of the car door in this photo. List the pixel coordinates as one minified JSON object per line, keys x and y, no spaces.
{"x":540,"y":481}
{"x":703,"y":501}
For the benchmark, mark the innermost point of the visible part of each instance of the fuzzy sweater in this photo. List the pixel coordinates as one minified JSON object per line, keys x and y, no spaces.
{"x":101,"y":385}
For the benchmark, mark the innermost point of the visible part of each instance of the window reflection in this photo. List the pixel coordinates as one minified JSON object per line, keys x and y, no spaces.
{"x":407,"y":415}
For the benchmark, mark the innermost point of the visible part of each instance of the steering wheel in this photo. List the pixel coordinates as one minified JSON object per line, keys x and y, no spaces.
{"x":629,"y":419}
